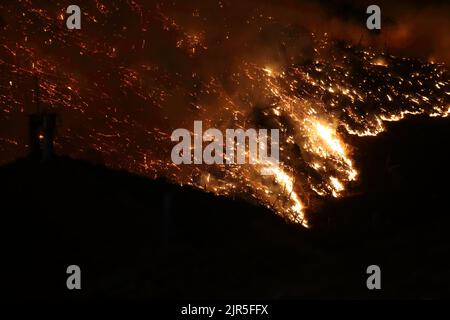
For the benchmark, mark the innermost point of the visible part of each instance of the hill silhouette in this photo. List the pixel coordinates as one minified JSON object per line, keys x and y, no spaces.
{"x":139,"y":238}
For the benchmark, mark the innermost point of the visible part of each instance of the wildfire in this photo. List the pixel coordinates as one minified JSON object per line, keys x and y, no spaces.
{"x":121,"y":88}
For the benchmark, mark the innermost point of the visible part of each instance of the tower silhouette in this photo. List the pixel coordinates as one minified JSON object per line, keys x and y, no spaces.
{"x":41,"y":129}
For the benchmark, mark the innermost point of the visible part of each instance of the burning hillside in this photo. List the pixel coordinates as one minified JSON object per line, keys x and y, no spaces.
{"x":137,"y":71}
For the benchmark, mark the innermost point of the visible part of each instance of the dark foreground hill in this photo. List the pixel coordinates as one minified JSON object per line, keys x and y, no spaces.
{"x":140,"y":238}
